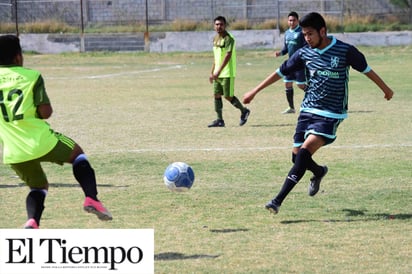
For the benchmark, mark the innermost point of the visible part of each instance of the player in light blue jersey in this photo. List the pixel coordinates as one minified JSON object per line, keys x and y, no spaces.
{"x":294,"y":40}
{"x":325,"y":104}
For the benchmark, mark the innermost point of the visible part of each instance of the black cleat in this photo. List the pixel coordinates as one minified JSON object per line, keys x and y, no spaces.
{"x":272,"y":207}
{"x":244,"y":116}
{"x":315,"y":182}
{"x":217,"y":123}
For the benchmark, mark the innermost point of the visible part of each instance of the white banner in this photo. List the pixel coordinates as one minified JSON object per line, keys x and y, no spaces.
{"x":68,"y":251}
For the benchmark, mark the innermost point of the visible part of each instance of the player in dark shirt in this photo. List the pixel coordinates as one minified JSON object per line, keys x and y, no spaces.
{"x":327,"y":61}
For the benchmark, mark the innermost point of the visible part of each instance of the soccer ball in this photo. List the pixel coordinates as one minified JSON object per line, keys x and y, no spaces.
{"x":179,"y":177}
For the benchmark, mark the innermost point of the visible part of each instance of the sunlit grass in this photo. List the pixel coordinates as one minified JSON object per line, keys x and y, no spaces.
{"x":135,"y":113}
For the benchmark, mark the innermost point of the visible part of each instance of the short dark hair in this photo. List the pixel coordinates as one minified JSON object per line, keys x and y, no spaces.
{"x":314,"y":20}
{"x":9,"y":48}
{"x":220,"y":18}
{"x":294,"y":14}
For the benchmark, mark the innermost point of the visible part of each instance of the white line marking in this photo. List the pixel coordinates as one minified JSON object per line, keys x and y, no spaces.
{"x":119,"y":74}
{"x":130,"y":72}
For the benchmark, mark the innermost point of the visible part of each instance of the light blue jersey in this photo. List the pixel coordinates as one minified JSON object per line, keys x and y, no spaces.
{"x":327,"y":71}
{"x":294,"y":40}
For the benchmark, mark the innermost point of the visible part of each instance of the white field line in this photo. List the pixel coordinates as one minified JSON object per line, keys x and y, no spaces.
{"x":217,"y":149}
{"x":119,"y":74}
{"x":146,"y":150}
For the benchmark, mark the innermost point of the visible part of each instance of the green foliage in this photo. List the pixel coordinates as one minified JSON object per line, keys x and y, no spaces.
{"x":350,"y":24}
{"x":51,"y":26}
{"x":402,"y":3}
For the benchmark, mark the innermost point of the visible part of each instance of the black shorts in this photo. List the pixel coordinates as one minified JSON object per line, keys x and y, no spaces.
{"x":309,"y":123}
{"x":298,"y":77}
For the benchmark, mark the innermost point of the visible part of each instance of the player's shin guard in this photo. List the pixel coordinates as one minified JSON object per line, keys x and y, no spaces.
{"x":294,"y":175}
{"x":316,"y":169}
{"x":289,"y":97}
{"x":84,"y":174}
{"x":35,"y":204}
{"x":293,"y":157}
{"x":237,"y":104}
{"x":219,"y":108}
{"x":287,"y":187}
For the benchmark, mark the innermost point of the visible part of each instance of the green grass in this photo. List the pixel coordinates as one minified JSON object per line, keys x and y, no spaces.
{"x":133,"y":114}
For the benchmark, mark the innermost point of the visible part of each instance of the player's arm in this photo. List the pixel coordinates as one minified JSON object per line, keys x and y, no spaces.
{"x":358,"y":61}
{"x":283,"y":51}
{"x":380,"y":83}
{"x":294,"y":63}
{"x":224,"y":63}
{"x":272,"y":78}
{"x":41,"y":100}
{"x":44,"y":111}
{"x":211,"y":77}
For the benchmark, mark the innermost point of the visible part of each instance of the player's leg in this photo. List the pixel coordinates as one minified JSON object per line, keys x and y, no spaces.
{"x":84,"y":174}
{"x":288,"y":185}
{"x":33,"y":175}
{"x":289,"y":95}
{"x":312,"y":132}
{"x":316,"y":169}
{"x":229,"y":93}
{"x":67,"y":151}
{"x":302,"y":86}
{"x":303,"y":157}
{"x":326,"y":128}
{"x":218,"y":92}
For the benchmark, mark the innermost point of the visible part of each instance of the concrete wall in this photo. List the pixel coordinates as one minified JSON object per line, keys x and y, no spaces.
{"x":131,"y":11}
{"x":269,"y":39}
{"x":197,"y":41}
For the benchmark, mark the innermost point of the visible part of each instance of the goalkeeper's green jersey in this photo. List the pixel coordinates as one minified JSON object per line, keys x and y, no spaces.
{"x":221,"y":46}
{"x":24,"y":136}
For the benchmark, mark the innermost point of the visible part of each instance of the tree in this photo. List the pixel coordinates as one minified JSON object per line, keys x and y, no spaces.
{"x":405,"y":4}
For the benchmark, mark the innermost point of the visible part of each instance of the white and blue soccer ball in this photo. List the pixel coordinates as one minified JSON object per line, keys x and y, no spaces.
{"x":179,"y":177}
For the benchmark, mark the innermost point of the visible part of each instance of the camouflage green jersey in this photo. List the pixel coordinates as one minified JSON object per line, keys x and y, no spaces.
{"x":221,"y":46}
{"x":23,"y":134}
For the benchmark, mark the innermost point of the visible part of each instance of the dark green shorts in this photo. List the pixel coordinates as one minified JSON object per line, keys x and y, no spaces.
{"x":31,"y":172}
{"x":224,"y":86}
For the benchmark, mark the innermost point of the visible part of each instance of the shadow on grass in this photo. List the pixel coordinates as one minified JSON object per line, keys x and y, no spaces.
{"x":360,"y":111}
{"x":170,"y":256}
{"x":77,"y":185}
{"x":361,"y":214}
{"x":57,"y":185}
{"x":11,"y":186}
{"x":273,"y":125}
{"x":229,"y":230}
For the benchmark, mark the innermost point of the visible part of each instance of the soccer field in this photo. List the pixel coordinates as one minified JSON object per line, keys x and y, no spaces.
{"x":134,"y":113}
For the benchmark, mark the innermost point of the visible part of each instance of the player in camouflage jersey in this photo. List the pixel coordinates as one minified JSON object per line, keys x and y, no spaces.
{"x":28,"y":140}
{"x":325,"y":104}
{"x":223,"y":73}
